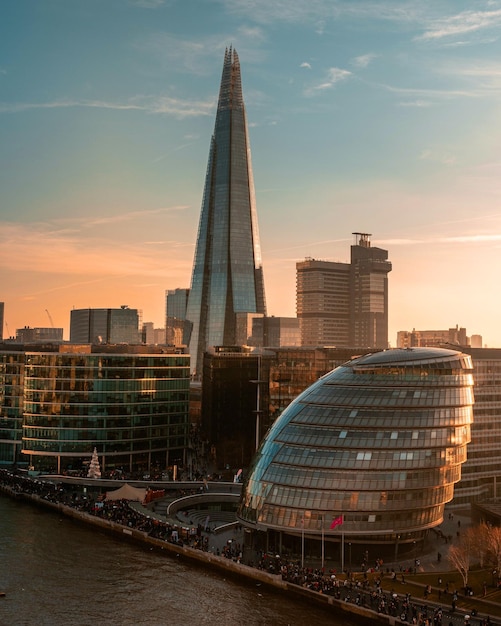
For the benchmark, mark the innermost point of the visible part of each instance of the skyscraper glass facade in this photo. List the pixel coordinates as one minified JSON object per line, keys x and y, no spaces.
{"x":227,"y":272}
{"x":379,"y":440}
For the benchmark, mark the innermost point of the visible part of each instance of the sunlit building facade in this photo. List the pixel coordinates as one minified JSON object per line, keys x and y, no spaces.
{"x":227,"y":273}
{"x":345,"y":304}
{"x":11,"y":406}
{"x":379,"y":441}
{"x":60,"y":403}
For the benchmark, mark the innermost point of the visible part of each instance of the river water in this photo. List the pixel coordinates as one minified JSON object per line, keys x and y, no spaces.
{"x":57,"y":571}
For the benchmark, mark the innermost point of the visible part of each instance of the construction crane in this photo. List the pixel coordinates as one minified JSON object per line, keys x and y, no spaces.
{"x":50,"y":318}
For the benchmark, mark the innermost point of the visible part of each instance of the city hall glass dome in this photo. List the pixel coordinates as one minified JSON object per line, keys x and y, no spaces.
{"x":379,"y":441}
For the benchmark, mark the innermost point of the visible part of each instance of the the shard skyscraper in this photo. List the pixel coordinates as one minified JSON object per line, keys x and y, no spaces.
{"x":227,"y":271}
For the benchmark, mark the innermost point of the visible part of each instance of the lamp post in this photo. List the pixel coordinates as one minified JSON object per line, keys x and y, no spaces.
{"x":258,"y":410}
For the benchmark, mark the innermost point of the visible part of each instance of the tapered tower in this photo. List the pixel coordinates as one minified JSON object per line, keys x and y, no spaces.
{"x":227,"y":271}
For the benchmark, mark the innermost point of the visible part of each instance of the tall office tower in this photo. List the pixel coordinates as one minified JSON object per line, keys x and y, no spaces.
{"x":227,"y":271}
{"x":368,"y":294}
{"x":345,"y":304}
{"x":1,"y":320}
{"x":108,"y":326}
{"x":323,"y":302}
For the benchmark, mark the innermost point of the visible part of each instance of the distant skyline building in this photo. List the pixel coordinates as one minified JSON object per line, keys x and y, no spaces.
{"x":37,"y":335}
{"x":426,"y":338}
{"x":1,"y":319}
{"x":108,"y":326}
{"x":152,"y":336}
{"x":227,"y":273}
{"x":345,"y":304}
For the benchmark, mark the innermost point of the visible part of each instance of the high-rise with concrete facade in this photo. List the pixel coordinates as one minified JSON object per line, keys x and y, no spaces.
{"x":227,"y":273}
{"x":345,"y":304}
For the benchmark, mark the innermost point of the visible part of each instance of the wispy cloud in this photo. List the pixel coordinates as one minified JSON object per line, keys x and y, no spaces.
{"x":306,"y":65}
{"x":442,"y":94}
{"x":464,"y":22}
{"x":90,"y":242}
{"x":334,"y":75}
{"x":415,"y":103}
{"x":164,"y":105}
{"x":148,"y":4}
{"x":363,"y":60}
{"x":437,"y":157}
{"x":460,"y":239}
{"x":317,"y":12}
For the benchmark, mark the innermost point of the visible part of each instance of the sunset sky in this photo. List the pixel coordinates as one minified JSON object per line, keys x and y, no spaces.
{"x":373,"y":116}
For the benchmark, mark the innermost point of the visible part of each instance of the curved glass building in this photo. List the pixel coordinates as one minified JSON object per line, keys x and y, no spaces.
{"x":377,"y":443}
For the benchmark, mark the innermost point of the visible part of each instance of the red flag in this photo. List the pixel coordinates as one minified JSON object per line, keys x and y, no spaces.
{"x":337,"y":521}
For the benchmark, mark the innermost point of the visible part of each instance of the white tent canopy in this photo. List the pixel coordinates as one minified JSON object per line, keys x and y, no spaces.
{"x":127,"y":492}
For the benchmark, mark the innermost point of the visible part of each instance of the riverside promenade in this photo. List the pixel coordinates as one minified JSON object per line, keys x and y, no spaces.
{"x":360,"y":603}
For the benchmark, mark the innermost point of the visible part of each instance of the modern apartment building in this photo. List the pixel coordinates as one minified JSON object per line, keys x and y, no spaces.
{"x":345,"y":304}
{"x":227,"y":273}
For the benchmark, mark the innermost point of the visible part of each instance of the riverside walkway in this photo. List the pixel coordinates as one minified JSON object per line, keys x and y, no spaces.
{"x":359,"y":596}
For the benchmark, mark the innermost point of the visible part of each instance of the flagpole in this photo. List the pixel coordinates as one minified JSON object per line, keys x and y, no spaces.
{"x":342,"y":550}
{"x":302,"y":542}
{"x":323,"y":541}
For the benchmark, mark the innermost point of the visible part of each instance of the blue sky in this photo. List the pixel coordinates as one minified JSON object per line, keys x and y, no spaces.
{"x":377,"y":116}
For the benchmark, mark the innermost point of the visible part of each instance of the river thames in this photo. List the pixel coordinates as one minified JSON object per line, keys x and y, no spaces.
{"x":56,"y":571}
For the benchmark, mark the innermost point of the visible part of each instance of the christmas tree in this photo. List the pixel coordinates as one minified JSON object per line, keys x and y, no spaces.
{"x":94,"y":469}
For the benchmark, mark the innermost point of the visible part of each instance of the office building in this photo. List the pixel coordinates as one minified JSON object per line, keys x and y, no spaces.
{"x":481,"y":473}
{"x":275,"y":332}
{"x":377,"y":443}
{"x":38,"y":335}
{"x":345,"y":304}
{"x":323,"y":302}
{"x":12,"y":363}
{"x":427,"y":338}
{"x":476,"y":341}
{"x":152,"y":336}
{"x":227,"y":273}
{"x":1,"y":319}
{"x":62,"y":401}
{"x":231,"y":393}
{"x":235,"y":402}
{"x":105,"y":326}
{"x":244,"y":324}
{"x":176,"y":327}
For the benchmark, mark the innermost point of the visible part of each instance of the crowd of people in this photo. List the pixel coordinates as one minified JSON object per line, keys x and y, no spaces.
{"x":366,"y":592}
